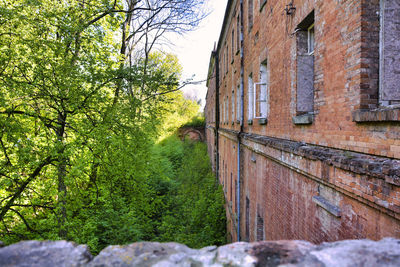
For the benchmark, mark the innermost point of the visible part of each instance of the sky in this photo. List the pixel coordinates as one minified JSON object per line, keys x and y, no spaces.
{"x":194,"y":48}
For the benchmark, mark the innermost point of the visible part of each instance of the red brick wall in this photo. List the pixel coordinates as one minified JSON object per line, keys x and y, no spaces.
{"x":282,"y":181}
{"x":290,"y":213}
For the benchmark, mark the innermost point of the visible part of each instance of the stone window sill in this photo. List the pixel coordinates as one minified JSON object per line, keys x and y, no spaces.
{"x":326,"y":205}
{"x":262,"y":121}
{"x":385,"y":114}
{"x":303,"y":119}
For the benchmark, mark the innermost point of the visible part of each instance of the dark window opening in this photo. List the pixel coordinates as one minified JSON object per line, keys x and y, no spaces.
{"x":260,"y":227}
{"x":247,"y":237}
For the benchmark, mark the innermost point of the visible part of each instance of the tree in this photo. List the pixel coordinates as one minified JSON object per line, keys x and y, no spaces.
{"x":72,"y":97}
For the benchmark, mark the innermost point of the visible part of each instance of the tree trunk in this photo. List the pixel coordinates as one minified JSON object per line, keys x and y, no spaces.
{"x":61,"y":174}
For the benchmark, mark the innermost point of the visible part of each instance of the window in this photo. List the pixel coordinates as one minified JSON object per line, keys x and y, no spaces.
{"x":311,"y":41}
{"x":225,"y":70}
{"x":247,"y":237}
{"x":238,"y":102}
{"x":226,"y":109}
{"x":238,"y":33}
{"x":260,"y":227}
{"x":305,"y":71}
{"x":250,"y":13}
{"x":261,"y":94}
{"x":233,"y":106}
{"x":250,"y":107}
{"x":223,"y":176}
{"x":227,"y":59}
{"x":233,"y":44}
{"x":382,"y":61}
{"x":389,"y":53}
{"x":222,"y":110}
{"x":236,"y":194}
{"x":221,"y":66}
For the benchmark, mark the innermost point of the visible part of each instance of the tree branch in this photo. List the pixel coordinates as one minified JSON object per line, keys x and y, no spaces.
{"x":31,"y":177}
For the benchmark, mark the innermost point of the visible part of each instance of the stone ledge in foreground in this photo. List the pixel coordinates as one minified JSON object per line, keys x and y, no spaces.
{"x":267,"y":253}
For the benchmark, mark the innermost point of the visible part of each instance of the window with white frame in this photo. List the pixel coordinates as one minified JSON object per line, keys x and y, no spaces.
{"x":311,"y":40}
{"x":250,"y":106}
{"x":261,"y":93}
{"x":389,"y":53}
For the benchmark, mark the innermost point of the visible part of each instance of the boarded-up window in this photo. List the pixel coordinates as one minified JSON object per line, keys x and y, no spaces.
{"x":305,"y":65}
{"x":238,"y":102}
{"x":390,"y":52}
{"x":250,"y":97}
{"x":261,"y":93}
{"x":247,"y":219}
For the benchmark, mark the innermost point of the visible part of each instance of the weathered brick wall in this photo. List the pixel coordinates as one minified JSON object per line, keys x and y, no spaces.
{"x":228,"y":178}
{"x":336,"y":177}
{"x":284,"y":196}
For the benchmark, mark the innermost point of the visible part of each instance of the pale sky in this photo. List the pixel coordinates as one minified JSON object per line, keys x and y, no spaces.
{"x":194,"y":48}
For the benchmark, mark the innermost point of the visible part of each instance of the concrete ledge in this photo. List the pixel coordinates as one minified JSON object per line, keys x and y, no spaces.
{"x":303,"y":119}
{"x":387,"y":114}
{"x":262,"y":121}
{"x":380,"y":167}
{"x":325,"y":204}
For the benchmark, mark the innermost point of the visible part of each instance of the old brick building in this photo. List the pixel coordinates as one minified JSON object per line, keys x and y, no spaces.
{"x":303,"y":118}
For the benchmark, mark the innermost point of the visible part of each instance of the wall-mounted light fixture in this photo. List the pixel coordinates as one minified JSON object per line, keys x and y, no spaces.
{"x":290,"y":8}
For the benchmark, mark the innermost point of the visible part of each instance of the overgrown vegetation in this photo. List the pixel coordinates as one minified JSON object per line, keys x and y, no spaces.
{"x":83,"y":101}
{"x":197,"y":121}
{"x":194,"y":212}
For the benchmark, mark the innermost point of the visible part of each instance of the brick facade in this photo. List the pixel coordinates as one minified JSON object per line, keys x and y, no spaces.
{"x":297,"y":126}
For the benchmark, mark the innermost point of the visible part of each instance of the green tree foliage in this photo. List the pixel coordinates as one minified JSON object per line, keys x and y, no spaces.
{"x":195,"y":212}
{"x":82,"y":100}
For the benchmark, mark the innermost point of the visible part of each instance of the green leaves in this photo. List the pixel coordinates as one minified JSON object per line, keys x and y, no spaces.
{"x":79,"y":123}
{"x":195,"y":215}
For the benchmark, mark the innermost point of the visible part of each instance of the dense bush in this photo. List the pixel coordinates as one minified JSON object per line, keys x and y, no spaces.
{"x":195,"y":215}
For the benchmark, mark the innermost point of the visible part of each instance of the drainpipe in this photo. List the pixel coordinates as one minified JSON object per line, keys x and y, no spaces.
{"x":217,"y":114}
{"x":241,"y":118}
